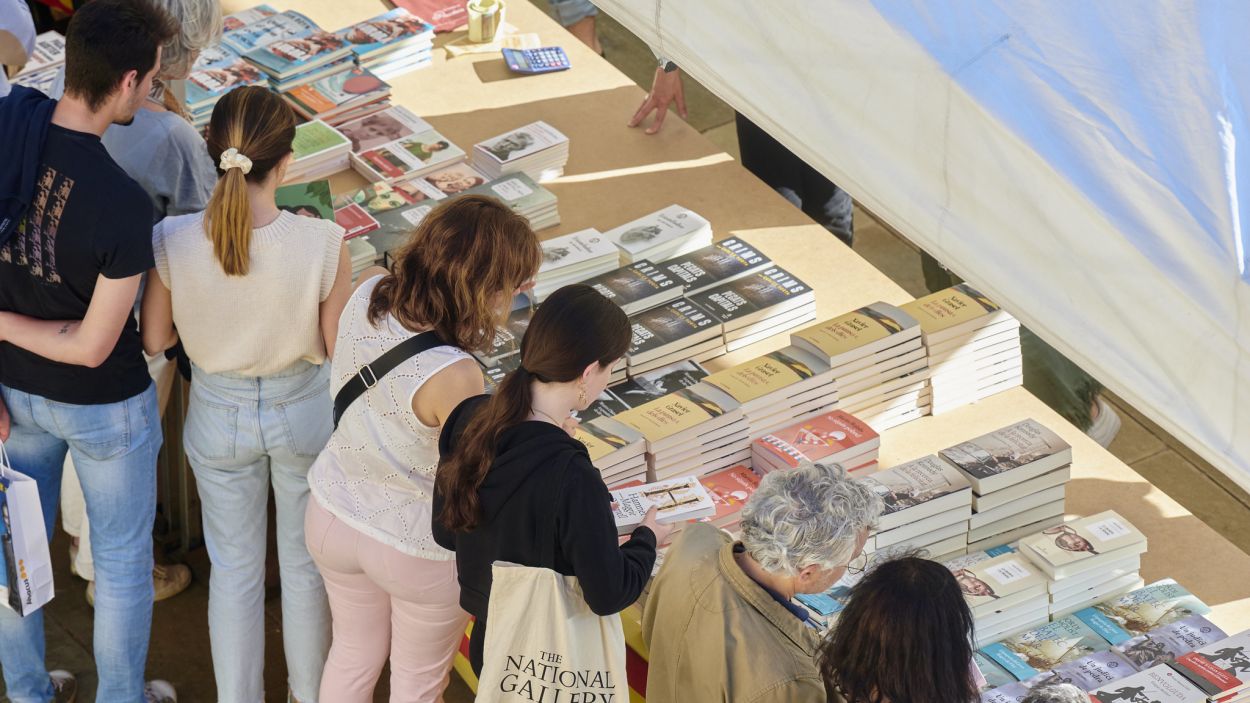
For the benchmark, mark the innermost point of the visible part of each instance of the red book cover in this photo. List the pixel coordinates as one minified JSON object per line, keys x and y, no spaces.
{"x":1206,"y":674}
{"x":821,"y":438}
{"x":355,"y":220}
{"x":730,"y":489}
{"x":445,"y":15}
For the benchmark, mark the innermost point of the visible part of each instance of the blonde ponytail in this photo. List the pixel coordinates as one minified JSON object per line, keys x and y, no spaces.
{"x":249,"y":125}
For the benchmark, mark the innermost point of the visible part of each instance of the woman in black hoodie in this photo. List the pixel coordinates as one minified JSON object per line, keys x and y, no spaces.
{"x":515,"y":486}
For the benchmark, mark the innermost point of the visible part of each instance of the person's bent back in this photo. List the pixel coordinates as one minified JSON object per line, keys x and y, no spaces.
{"x":719,"y":621}
{"x":904,"y":637}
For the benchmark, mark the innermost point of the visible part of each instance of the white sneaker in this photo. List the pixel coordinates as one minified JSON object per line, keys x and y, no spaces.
{"x":1106,"y":426}
{"x":158,"y":691}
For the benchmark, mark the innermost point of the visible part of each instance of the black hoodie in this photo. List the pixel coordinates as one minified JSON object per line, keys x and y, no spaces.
{"x":24,"y":118}
{"x":543,"y":504}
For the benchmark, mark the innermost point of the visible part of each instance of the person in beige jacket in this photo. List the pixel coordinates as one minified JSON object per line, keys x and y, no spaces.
{"x":720,"y":623}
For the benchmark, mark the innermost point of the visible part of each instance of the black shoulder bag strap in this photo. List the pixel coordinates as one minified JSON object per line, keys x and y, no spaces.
{"x":369,"y":374}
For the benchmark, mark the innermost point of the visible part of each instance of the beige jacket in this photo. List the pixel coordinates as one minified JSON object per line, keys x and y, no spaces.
{"x":716,"y":635}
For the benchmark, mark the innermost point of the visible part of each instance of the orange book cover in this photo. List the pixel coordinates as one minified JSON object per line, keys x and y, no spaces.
{"x":818,"y":438}
{"x":730,"y":488}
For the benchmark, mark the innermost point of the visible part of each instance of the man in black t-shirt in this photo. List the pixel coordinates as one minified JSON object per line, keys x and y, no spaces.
{"x":72,"y":372}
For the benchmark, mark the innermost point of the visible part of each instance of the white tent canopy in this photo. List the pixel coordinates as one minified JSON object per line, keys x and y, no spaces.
{"x":1077,"y":161}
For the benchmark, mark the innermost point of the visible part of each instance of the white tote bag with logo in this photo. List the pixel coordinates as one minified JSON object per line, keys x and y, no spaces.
{"x":26,"y":576}
{"x":544,"y":644}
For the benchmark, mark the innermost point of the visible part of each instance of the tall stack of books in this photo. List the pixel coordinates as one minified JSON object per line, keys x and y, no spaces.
{"x":295,"y":61}
{"x":41,"y":69}
{"x":216,"y":72}
{"x":1158,"y":684}
{"x":668,"y":233}
{"x":877,"y":361}
{"x":1019,"y":476}
{"x":778,"y":388}
{"x":697,"y":430}
{"x":390,"y":44}
{"x":673,"y":332}
{"x":572,"y":258}
{"x":926,"y":506}
{"x":529,"y":199}
{"x":616,"y":450}
{"x":834,"y":438}
{"x":341,"y":97}
{"x":758,"y":305}
{"x":973,"y":346}
{"x":404,"y":159}
{"x":1030,"y":653}
{"x":730,"y":489}
{"x":537,"y":150}
{"x":1220,"y":671}
{"x":1121,"y":618}
{"x":319,"y":150}
{"x":715,"y":264}
{"x":636,"y":287}
{"x":643,"y":388}
{"x":1087,"y":560}
{"x":1004,"y":591}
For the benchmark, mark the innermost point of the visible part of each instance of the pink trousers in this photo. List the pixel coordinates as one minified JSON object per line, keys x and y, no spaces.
{"x":384,"y":604}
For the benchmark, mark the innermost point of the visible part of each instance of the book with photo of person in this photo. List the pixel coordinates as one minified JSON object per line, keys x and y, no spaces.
{"x":1083,"y":544}
{"x":537,"y":149}
{"x":287,"y":57}
{"x":454,"y":179}
{"x":390,"y":31}
{"x":206,"y":85}
{"x":712,"y":265}
{"x":311,"y":199}
{"x":1041,"y":649}
{"x":242,"y":18}
{"x":329,"y":98}
{"x":256,"y":31}
{"x":407,"y":158}
{"x":526,"y":197}
{"x":390,"y":125}
{"x":917,"y":489}
{"x":636,"y":287}
{"x":1138,"y":612}
{"x":996,"y":583}
{"x":1006,"y":456}
{"x":661,"y":235}
{"x":1164,"y":644}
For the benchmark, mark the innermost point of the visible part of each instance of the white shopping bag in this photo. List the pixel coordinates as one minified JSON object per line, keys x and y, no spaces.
{"x":544,"y":644}
{"x":26,"y":576}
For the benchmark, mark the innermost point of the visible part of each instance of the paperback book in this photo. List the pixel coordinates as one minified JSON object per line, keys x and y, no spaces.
{"x":454,"y":179}
{"x":49,"y":53}
{"x":1219,"y":669}
{"x":1121,"y":619}
{"x":661,"y":235}
{"x":754,"y":297}
{"x":730,"y":489}
{"x":390,"y":125}
{"x":1158,"y":684}
{"x":307,"y":199}
{"x":859,"y":333}
{"x":287,"y":57}
{"x":676,"y":500}
{"x":1164,"y":644}
{"x":836,"y":437}
{"x":636,"y":287}
{"x":355,"y":221}
{"x":1087,"y":673}
{"x":660,"y":331}
{"x":949,"y":313}
{"x":537,"y":149}
{"x":390,"y":31}
{"x":712,"y":265}
{"x":1007,"y":456}
{"x":242,"y":18}
{"x":1083,"y":544}
{"x":444,"y":15}
{"x":336,"y":94}
{"x":917,"y":489}
{"x":266,"y":30}
{"x":1032,"y":652}
{"x":525,"y":196}
{"x":205,"y":86}
{"x":407,"y":158}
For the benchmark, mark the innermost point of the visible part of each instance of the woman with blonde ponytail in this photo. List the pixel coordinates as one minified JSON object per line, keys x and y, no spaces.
{"x":393,"y":590}
{"x":254,"y":294}
{"x":515,"y":486}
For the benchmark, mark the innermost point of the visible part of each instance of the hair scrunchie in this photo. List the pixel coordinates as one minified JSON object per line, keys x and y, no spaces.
{"x":231,"y":158}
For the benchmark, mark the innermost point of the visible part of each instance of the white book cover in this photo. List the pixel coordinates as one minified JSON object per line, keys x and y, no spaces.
{"x":571,"y":250}
{"x":649,"y":232}
{"x":675,"y":500}
{"x":381,"y":128}
{"x":520,"y":143}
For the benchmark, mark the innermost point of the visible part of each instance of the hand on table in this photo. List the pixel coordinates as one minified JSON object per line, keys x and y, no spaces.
{"x":666,"y":89}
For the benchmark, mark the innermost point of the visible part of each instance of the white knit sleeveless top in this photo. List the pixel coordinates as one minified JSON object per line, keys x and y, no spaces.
{"x":377,"y":471}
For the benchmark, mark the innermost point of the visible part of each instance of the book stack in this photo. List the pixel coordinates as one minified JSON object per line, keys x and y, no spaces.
{"x":43,"y":66}
{"x":342,"y":97}
{"x":1004,"y":591}
{"x":715,"y":264}
{"x":616,"y":450}
{"x":216,"y":72}
{"x":730,"y":489}
{"x":1087,"y":560}
{"x":665,"y":234}
{"x":363,"y":255}
{"x":572,"y":258}
{"x":405,"y":158}
{"x":834,"y":438}
{"x":311,"y":199}
{"x":396,"y":208}
{"x":537,"y":150}
{"x":675,"y":501}
{"x":1122,"y":618}
{"x":295,"y":61}
{"x":673,"y":332}
{"x":644,"y":388}
{"x":1160,"y":684}
{"x":1033,"y":652}
{"x":355,"y":221}
{"x":261,"y":25}
{"x":1018,"y":476}
{"x":877,"y":361}
{"x":636,"y":287}
{"x":825,"y":607}
{"x":390,"y":44}
{"x":1221,"y":671}
{"x":973,"y":346}
{"x":926,"y":506}
{"x":697,"y":430}
{"x":758,"y":305}
{"x":527,"y":198}
{"x":1165,"y":643}
{"x":319,"y":150}
{"x":1087,"y":673}
{"x":778,"y":388}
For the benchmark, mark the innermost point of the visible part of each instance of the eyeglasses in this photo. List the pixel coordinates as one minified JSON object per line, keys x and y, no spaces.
{"x":857,"y":565}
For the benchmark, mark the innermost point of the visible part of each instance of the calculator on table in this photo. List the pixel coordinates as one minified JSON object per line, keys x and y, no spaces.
{"x":544,"y":60}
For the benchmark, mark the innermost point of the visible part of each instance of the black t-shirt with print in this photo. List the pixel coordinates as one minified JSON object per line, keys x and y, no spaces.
{"x":87,"y":219}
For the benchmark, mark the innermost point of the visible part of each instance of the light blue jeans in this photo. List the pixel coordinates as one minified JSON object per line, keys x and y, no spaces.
{"x":569,"y":12}
{"x":242,"y":434}
{"x":114,"y":448}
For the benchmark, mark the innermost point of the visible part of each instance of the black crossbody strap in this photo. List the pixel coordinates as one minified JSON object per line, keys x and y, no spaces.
{"x":368,"y":375}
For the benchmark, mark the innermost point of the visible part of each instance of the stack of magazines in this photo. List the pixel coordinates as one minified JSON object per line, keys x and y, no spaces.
{"x":662,"y":235}
{"x":537,"y":149}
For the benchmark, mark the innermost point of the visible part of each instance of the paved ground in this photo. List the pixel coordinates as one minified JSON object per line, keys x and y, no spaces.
{"x":180,"y":650}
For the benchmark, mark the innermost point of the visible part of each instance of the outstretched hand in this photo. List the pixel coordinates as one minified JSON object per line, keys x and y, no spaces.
{"x":666,"y":89}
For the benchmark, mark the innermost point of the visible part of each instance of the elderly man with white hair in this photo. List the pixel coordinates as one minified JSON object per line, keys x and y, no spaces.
{"x":720,"y":622}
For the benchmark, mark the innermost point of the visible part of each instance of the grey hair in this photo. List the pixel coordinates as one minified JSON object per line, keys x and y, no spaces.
{"x":199,"y":27}
{"x":1056,"y":693}
{"x":812,"y":514}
